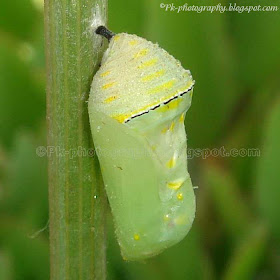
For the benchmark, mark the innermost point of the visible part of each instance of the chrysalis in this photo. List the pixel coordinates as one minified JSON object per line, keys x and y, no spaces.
{"x":137,"y":107}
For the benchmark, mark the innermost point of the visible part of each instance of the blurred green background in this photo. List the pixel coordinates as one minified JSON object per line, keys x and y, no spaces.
{"x":235,"y":60}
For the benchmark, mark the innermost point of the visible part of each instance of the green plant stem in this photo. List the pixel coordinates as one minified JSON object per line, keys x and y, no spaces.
{"x":76,"y":197}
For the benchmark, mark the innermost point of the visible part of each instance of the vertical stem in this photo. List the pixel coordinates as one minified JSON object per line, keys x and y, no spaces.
{"x":76,"y":198}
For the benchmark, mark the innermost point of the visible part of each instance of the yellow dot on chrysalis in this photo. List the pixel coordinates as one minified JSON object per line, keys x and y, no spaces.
{"x":180,"y":196}
{"x":132,"y":42}
{"x":175,"y":103}
{"x":171,"y":163}
{"x":136,"y":237}
{"x":166,"y":217}
{"x":164,"y":130}
{"x":172,"y":105}
{"x":153,"y":147}
{"x":175,"y":186}
{"x":120,"y":118}
{"x":162,"y":87}
{"x":148,"y":63}
{"x":171,"y":128}
{"x":108,"y":85}
{"x":116,"y":37}
{"x":110,"y":99}
{"x":104,"y":74}
{"x":182,"y":118}
{"x":153,"y":75}
{"x":141,"y":53}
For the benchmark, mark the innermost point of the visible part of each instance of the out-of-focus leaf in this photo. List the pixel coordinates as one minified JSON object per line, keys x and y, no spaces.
{"x":126,"y":16}
{"x":29,"y":255}
{"x":38,"y":50}
{"x":257,"y":37}
{"x":21,"y":103}
{"x":245,"y":135}
{"x":18,"y":17}
{"x":230,"y":205}
{"x":25,"y":193}
{"x":244,"y":263}
{"x":3,"y":166}
{"x":267,"y":173}
{"x":6,"y":266}
{"x":186,"y":260}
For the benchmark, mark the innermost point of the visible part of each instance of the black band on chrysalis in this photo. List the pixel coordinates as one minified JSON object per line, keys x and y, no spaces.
{"x":103,"y":31}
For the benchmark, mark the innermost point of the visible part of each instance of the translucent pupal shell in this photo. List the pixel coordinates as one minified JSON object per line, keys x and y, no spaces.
{"x":137,"y":108}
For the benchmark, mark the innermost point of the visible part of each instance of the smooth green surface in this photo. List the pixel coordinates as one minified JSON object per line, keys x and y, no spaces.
{"x":148,"y":215}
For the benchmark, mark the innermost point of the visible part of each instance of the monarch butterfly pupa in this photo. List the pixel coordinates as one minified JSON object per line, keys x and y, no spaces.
{"x":137,"y":107}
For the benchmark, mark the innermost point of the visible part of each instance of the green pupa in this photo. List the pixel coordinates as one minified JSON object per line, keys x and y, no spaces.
{"x":137,"y":106}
